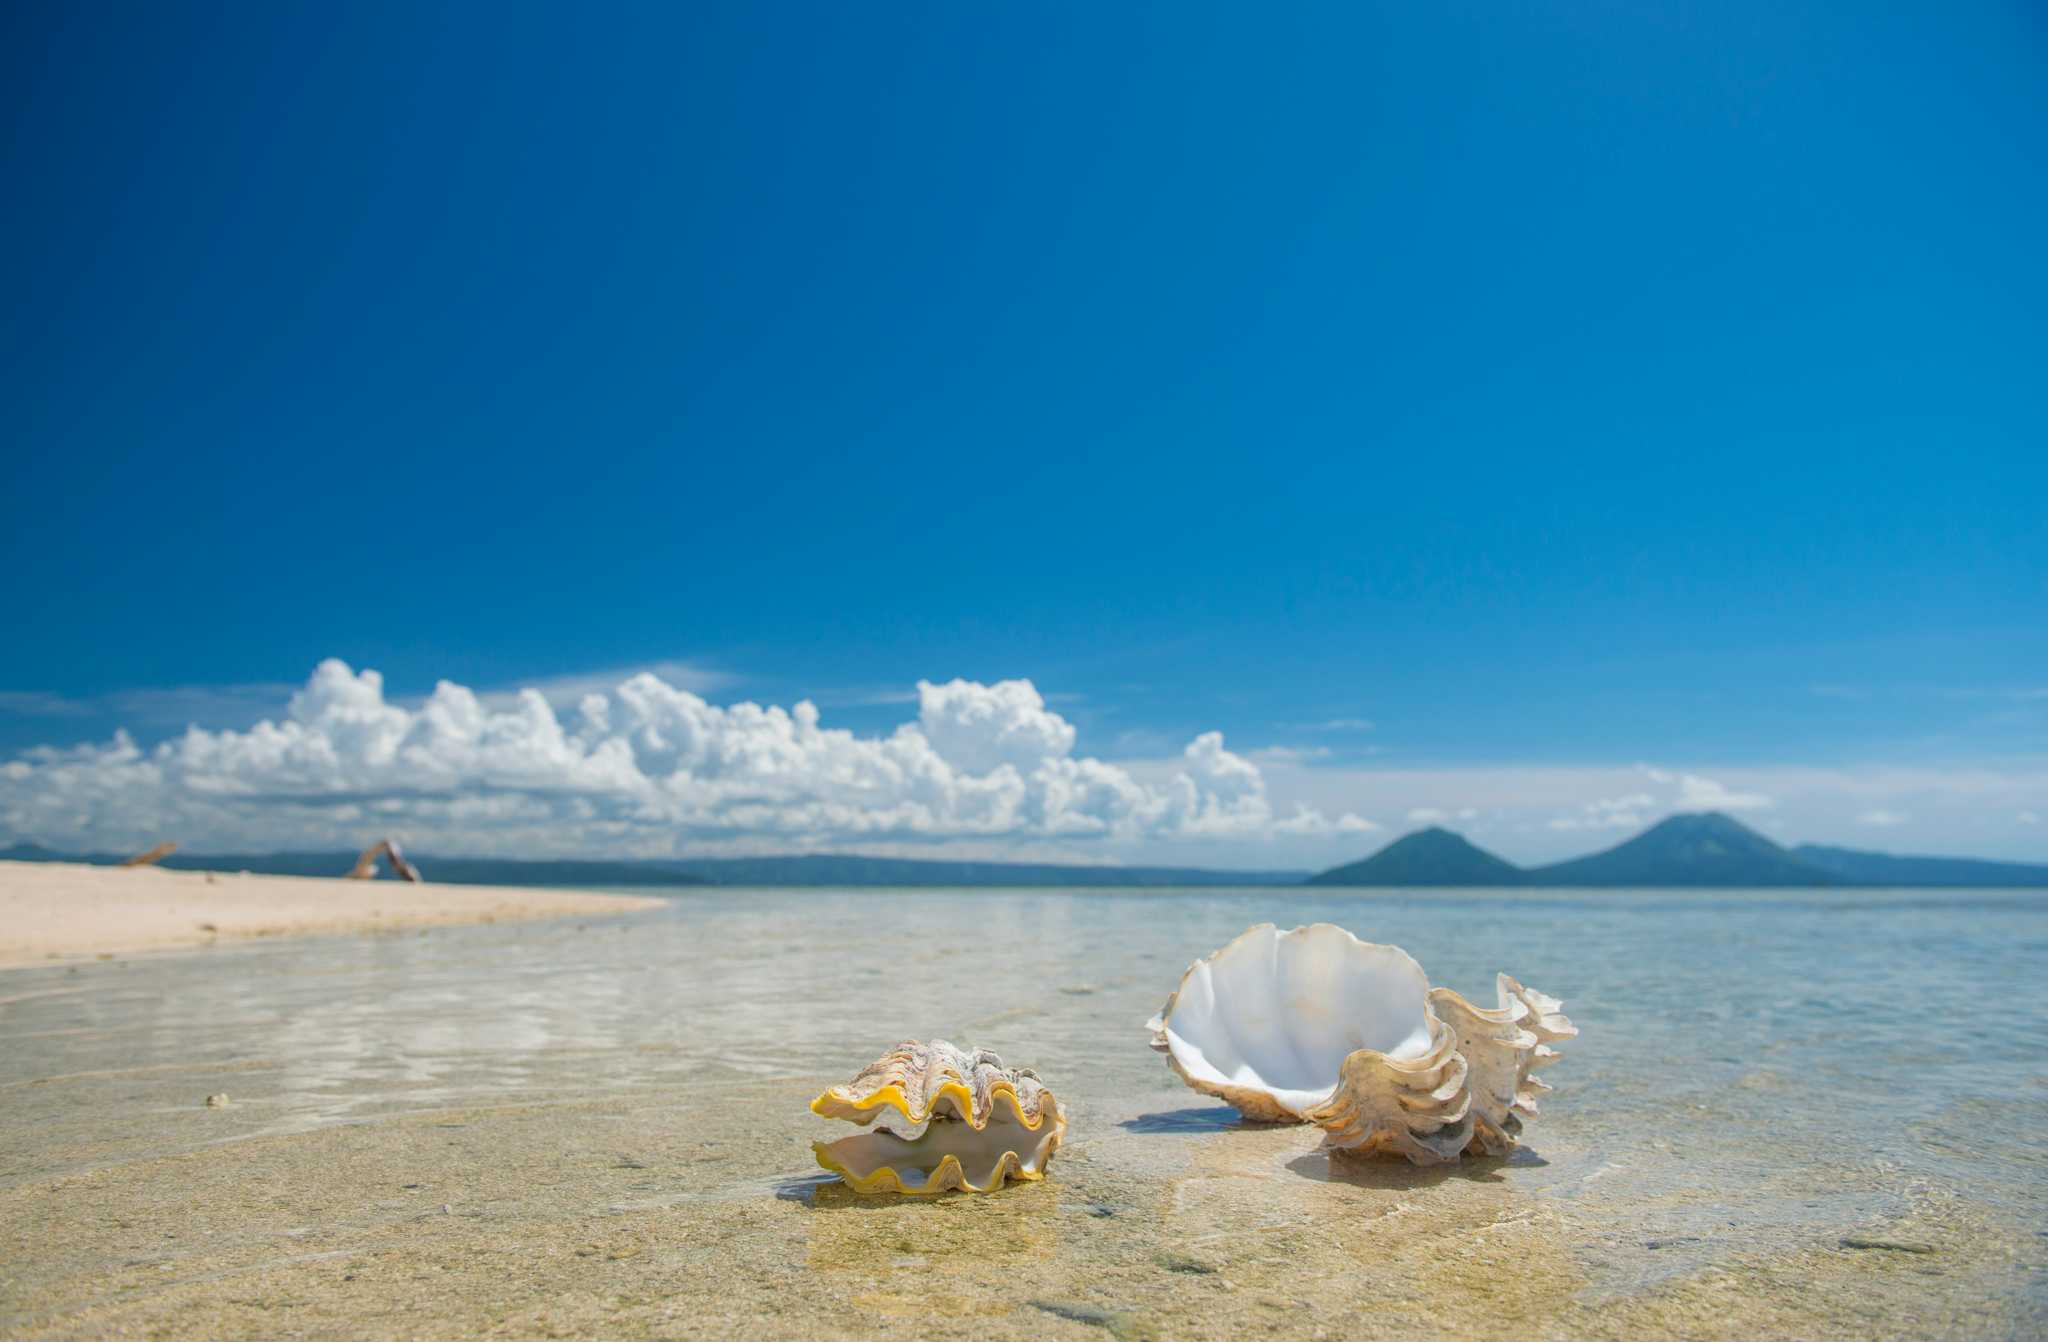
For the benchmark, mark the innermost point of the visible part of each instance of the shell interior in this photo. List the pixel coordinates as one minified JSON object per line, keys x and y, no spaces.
{"x":1279,"y":1013}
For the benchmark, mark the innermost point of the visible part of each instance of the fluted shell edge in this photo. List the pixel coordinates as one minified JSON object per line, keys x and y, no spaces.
{"x":916,"y":1085}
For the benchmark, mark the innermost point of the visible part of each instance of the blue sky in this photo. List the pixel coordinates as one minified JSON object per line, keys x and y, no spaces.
{"x":1559,"y":390}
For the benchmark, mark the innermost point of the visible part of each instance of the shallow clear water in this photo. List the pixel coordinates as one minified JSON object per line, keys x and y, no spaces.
{"x":1811,"y":1062}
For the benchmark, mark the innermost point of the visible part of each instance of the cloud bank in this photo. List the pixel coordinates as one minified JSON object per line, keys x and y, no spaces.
{"x":644,"y":768}
{"x":638,"y":764}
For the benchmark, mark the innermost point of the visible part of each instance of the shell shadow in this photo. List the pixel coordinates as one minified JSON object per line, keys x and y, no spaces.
{"x":1216,"y":1118}
{"x":1394,"y":1173}
{"x":806,"y":1188}
{"x":823,"y":1192}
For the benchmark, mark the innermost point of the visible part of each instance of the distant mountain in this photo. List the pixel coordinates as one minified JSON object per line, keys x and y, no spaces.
{"x":1432,"y":856}
{"x":806,"y":870}
{"x":1707,"y":849}
{"x":1856,"y":868}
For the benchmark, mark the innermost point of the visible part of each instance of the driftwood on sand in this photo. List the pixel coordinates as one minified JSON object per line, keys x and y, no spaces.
{"x":152,"y":857}
{"x":366,"y":865}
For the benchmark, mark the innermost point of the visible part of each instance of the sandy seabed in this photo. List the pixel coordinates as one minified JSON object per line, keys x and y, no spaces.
{"x":599,"y":1128}
{"x":667,"y":1218}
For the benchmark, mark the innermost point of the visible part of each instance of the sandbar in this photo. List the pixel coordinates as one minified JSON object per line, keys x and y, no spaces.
{"x":53,"y":911}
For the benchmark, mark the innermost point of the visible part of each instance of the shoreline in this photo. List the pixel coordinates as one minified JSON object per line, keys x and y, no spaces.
{"x":602,"y":1127}
{"x":60,"y":912}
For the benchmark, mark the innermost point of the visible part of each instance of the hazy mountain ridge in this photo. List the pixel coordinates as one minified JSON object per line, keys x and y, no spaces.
{"x":801,"y":870}
{"x":447,"y":870}
{"x":1702,"y":850}
{"x":1856,"y":867}
{"x":829,"y":869}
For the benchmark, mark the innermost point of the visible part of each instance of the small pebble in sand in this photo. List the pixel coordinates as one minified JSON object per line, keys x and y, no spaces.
{"x":1177,"y":1263}
{"x":1077,"y":1313}
{"x":219,"y":1101}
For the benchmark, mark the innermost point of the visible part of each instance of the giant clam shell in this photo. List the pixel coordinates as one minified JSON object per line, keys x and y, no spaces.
{"x":1502,"y":1047}
{"x":1314,"y":1025}
{"x":939,"y":1118}
{"x":1265,"y":1022}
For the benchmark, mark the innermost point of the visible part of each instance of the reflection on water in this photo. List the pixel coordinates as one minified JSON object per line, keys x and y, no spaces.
{"x":1736,"y":1041}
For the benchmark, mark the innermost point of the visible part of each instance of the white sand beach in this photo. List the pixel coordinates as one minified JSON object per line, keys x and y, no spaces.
{"x":62,"y":911}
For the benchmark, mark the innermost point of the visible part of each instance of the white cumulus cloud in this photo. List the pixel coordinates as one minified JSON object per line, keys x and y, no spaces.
{"x":642,"y":767}
{"x":1627,"y":812}
{"x":1682,"y":792}
{"x":1437,"y":815}
{"x":1704,"y":794}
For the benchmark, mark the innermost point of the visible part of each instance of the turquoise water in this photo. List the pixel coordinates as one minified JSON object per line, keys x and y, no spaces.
{"x":1755,"y":1070}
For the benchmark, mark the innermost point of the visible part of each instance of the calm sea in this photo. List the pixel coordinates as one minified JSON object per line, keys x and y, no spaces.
{"x":1815,"y":1062}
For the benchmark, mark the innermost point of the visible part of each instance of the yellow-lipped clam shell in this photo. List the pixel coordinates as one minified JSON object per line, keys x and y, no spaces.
{"x":940,"y":1118}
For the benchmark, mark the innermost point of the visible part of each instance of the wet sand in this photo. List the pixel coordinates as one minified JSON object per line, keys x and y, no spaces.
{"x":600,"y":1129}
{"x":608,"y":1220}
{"x":62,"y":910}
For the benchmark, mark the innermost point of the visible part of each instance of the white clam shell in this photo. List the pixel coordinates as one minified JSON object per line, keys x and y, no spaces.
{"x":1314,"y":1025}
{"x":1266,"y":1022}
